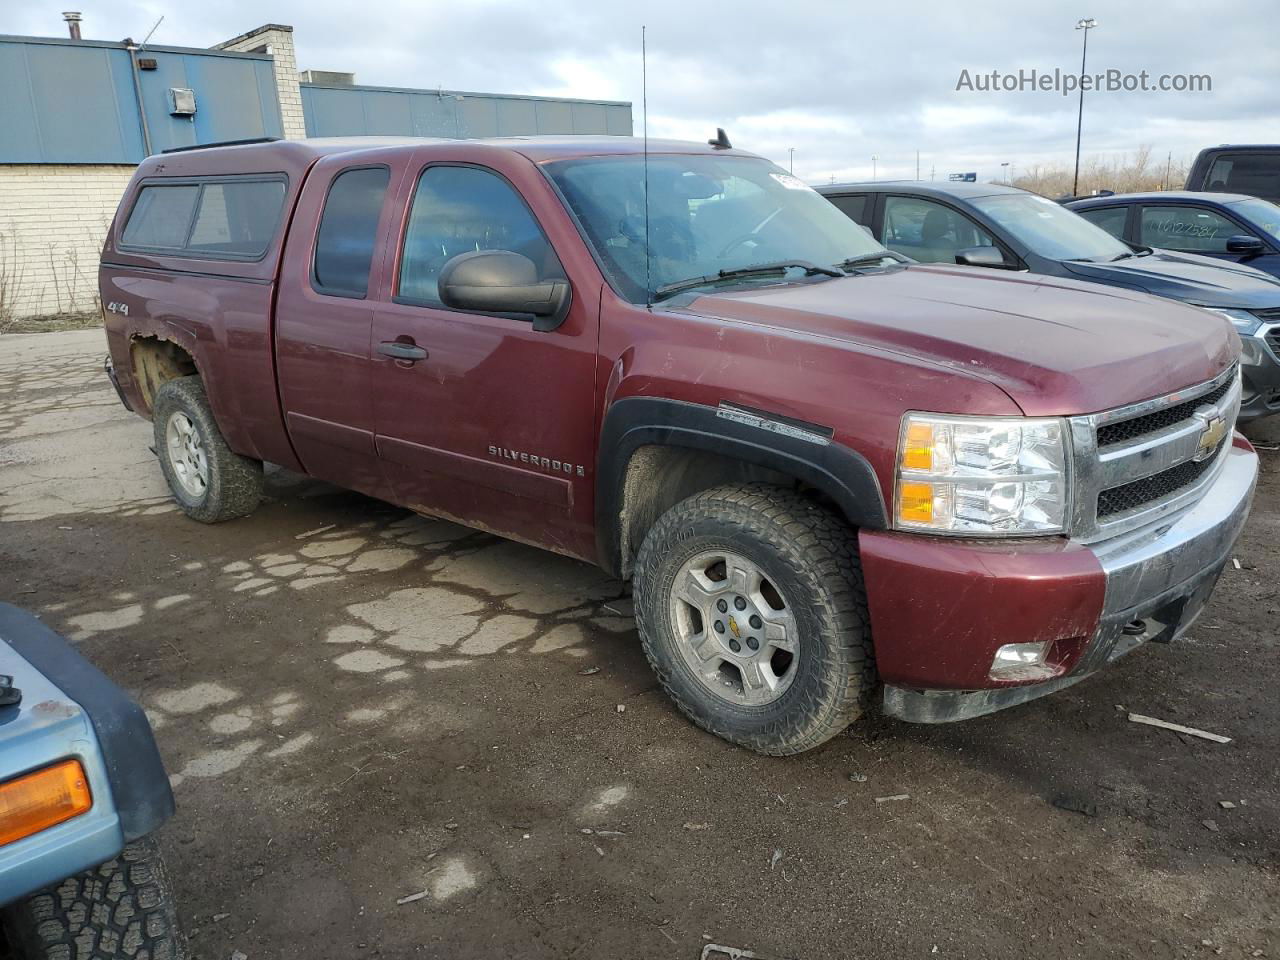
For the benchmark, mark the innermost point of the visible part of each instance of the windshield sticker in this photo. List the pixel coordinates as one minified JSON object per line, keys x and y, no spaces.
{"x":790,"y":182}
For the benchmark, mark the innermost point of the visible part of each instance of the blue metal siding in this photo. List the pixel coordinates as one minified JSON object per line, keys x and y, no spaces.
{"x":63,"y":101}
{"x":69,"y":102}
{"x":368,"y":111}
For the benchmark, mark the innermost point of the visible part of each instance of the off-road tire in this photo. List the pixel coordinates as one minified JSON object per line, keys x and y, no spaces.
{"x":811,"y":555}
{"x":234,"y":483}
{"x":122,"y":909}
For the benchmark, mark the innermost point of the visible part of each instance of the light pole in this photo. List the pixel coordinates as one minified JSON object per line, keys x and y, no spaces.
{"x":1086,"y":25}
{"x":1005,"y":171}
{"x":792,"y":152}
{"x":874,"y":158}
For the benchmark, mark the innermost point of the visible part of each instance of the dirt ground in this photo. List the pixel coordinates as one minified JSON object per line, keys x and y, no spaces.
{"x":358,"y":705}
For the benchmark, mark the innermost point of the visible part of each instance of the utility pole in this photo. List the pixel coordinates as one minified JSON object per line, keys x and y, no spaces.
{"x":874,"y":158}
{"x":1086,"y":25}
{"x":792,"y":152}
{"x":1005,"y":171}
{"x":917,"y":164}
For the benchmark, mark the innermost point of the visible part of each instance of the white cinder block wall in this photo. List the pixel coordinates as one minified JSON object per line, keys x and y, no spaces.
{"x":53,"y":220}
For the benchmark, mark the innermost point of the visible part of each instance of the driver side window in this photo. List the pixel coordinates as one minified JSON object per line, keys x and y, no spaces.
{"x":459,"y":210}
{"x":929,"y":232}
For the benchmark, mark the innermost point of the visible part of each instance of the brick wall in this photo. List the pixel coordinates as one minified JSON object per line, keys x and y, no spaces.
{"x":277,"y":40}
{"x":53,"y":220}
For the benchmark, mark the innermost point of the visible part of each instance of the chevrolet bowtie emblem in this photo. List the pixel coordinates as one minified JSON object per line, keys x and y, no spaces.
{"x":1215,"y":428}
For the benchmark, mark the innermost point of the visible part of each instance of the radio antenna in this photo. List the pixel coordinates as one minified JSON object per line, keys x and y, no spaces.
{"x":644,"y":106}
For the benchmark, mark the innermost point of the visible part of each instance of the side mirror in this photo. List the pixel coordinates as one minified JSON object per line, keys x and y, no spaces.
{"x":982,"y":257}
{"x":499,"y":281}
{"x":1250,"y":246}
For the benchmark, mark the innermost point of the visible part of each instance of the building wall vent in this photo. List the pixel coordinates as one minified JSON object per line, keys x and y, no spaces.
{"x":182,"y":101}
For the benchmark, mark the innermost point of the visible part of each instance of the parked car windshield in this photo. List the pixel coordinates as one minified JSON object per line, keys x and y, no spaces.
{"x":1264,"y":214}
{"x":706,"y":214}
{"x":1049,"y":229}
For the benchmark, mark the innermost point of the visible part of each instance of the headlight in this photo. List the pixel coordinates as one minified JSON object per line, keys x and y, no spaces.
{"x":1245,"y":322}
{"x":996,"y":477}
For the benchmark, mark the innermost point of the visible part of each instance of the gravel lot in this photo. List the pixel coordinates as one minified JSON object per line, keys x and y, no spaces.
{"x":359,"y":705}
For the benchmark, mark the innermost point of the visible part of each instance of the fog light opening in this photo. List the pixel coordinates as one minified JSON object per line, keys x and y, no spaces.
{"x":1023,"y":661}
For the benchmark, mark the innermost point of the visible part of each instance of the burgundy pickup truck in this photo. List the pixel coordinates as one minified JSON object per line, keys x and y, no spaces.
{"x":833,"y":476}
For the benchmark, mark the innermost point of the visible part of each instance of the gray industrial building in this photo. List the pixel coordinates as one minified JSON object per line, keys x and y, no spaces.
{"x":77,"y":116}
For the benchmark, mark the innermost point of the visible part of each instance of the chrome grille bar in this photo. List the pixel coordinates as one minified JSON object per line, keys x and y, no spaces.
{"x":1149,"y":455}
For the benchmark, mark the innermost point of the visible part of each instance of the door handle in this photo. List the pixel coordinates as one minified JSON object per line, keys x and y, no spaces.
{"x":400,"y":350}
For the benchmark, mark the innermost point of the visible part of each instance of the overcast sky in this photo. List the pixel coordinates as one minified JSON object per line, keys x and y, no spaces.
{"x":839,"y":82}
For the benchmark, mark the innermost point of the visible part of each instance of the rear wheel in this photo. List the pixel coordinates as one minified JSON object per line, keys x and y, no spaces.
{"x":751,"y":608}
{"x":124,"y":908}
{"x":209,"y":481}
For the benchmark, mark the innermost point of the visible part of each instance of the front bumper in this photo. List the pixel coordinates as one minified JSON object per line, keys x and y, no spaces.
{"x":1260,"y":373}
{"x":938,"y":618}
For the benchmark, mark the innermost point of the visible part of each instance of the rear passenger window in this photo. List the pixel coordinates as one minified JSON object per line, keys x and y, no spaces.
{"x":460,"y":209}
{"x":348,"y":232}
{"x":1110,"y":219}
{"x":161,"y":217}
{"x":231,"y":219}
{"x":851,"y":206}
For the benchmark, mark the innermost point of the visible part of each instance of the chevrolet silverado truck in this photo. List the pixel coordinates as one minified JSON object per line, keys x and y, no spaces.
{"x":835,"y":478}
{"x":82,"y":788}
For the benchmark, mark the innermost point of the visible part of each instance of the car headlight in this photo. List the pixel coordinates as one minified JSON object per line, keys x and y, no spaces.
{"x":1245,"y":322}
{"x":996,"y":477}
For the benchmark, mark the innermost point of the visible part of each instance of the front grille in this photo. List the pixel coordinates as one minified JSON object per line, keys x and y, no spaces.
{"x":1139,"y":493}
{"x":1115,"y":452}
{"x":1269,"y":315}
{"x":1127,"y":430}
{"x":1273,"y":339}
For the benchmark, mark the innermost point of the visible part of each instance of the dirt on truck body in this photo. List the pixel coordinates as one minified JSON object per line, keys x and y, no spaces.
{"x":836,"y":479}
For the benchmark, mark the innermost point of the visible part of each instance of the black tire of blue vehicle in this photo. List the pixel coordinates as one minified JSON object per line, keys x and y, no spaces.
{"x":122,"y":909}
{"x":227,"y":485}
{"x":810,"y":557}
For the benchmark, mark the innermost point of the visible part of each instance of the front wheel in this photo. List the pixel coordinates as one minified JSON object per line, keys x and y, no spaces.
{"x":210,"y":482}
{"x":752,"y":612}
{"x":124,"y":908}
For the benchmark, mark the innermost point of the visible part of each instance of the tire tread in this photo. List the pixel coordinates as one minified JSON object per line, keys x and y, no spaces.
{"x":828,"y":546}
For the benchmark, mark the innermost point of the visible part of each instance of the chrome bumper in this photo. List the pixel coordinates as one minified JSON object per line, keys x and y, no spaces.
{"x":1158,"y":580}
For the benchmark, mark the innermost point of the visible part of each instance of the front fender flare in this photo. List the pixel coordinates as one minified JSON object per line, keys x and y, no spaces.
{"x":808,"y":454}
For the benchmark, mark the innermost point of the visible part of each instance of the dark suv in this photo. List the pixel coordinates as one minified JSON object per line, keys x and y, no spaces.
{"x":988,"y":225}
{"x":1252,"y":169}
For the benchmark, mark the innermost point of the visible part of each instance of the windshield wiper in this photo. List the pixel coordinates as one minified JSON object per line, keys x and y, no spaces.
{"x":868,"y":259}
{"x":776,"y":269}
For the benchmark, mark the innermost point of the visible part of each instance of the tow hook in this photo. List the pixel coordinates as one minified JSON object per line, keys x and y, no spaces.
{"x":9,"y":694}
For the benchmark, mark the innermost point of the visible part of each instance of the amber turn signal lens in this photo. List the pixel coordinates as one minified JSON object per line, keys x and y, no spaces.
{"x":915,"y":503}
{"x":40,"y":800}
{"x":917,"y":452}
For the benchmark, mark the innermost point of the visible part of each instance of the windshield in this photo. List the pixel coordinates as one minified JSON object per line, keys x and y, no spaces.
{"x":706,"y":214}
{"x":1264,"y":214}
{"x":1049,"y":229}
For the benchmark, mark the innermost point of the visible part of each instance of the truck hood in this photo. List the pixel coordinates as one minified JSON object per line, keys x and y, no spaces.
{"x":1202,"y":281}
{"x":1057,"y":347}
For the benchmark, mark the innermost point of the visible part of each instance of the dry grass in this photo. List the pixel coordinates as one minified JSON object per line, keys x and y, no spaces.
{"x":1135,"y":172}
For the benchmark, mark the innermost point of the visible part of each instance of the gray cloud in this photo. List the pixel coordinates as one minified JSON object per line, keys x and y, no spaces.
{"x":837,"y":81}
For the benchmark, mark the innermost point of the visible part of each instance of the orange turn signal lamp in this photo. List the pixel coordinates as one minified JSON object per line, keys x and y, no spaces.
{"x":43,"y":799}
